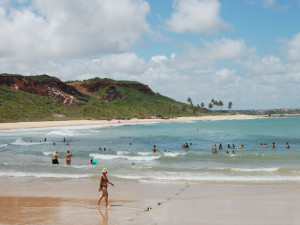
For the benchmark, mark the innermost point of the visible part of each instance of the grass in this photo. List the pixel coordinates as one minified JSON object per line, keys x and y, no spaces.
{"x":16,"y":105}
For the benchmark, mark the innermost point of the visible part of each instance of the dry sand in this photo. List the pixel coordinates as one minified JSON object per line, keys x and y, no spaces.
{"x":24,"y":125}
{"x":58,"y":201}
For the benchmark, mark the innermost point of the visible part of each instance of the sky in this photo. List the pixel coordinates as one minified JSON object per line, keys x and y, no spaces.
{"x":243,"y":51}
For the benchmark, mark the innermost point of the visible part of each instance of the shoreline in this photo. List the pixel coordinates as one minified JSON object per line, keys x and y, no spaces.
{"x":66,"y":123}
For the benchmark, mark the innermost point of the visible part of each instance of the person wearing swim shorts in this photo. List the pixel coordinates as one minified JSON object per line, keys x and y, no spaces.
{"x":103,"y":187}
{"x":214,"y":149}
{"x":55,"y":157}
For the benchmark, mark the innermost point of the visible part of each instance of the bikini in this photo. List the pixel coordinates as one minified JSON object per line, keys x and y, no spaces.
{"x":104,"y":179}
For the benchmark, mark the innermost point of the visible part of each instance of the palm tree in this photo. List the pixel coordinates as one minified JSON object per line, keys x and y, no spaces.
{"x":229,"y":105}
{"x":210,"y":105}
{"x":202,"y":105}
{"x":221,"y":104}
{"x":189,"y":100}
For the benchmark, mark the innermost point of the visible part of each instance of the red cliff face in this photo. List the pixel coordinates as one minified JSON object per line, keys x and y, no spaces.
{"x":112,"y":93}
{"x":91,"y":87}
{"x":43,"y":86}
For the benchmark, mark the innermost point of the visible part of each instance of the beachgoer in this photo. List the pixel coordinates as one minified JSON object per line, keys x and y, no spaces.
{"x":100,"y":149}
{"x":273,"y":145}
{"x":241,"y":146}
{"x":228,"y":146}
{"x":68,"y":158}
{"x":45,"y":139}
{"x":232,"y":152}
{"x":214,"y":149}
{"x":266,"y":145}
{"x":64,"y":139}
{"x":287,"y":145}
{"x":103,"y":187}
{"x":154,"y":149}
{"x":220,"y":147}
{"x":233,"y":146}
{"x":93,"y":162}
{"x":55,"y":157}
{"x":227,"y":152}
{"x":54,"y":144}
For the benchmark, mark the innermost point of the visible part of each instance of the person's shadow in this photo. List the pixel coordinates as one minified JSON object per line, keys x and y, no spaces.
{"x":104,"y":217}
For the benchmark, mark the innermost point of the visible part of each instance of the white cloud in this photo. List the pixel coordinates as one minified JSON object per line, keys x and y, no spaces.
{"x":196,"y":16}
{"x":268,"y":3}
{"x":51,"y":29}
{"x":292,"y":48}
{"x":126,"y":63}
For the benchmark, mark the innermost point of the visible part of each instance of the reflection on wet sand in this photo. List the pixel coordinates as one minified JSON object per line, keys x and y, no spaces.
{"x":104,"y":217}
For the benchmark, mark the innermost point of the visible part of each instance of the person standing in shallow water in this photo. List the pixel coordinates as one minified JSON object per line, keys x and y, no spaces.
{"x":103,"y":187}
{"x":55,"y":157}
{"x":154,"y":149}
{"x":68,"y":158}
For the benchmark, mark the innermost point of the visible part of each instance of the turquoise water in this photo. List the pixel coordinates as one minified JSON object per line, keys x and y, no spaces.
{"x":25,"y":154}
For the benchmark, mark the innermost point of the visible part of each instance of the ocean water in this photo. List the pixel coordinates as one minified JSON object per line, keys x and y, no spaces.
{"x":24,"y":154}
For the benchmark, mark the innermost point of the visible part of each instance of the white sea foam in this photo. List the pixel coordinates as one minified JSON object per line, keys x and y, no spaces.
{"x":67,"y":133}
{"x":130,"y":158}
{"x":47,"y":153}
{"x":205,"y":177}
{"x":174,"y":154}
{"x":145,"y":153}
{"x":79,"y":167}
{"x":41,"y":175}
{"x":122,"y":152}
{"x":256,"y":169}
{"x":3,"y":145}
{"x":19,"y":141}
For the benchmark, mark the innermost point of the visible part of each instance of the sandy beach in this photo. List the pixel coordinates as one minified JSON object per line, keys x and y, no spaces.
{"x":24,"y":125}
{"x":29,"y":200}
{"x":53,"y":201}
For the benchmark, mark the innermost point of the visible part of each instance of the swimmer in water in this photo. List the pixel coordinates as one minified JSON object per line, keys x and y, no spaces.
{"x":154,"y":149}
{"x":55,"y":157}
{"x":68,"y":158}
{"x":214,"y":149}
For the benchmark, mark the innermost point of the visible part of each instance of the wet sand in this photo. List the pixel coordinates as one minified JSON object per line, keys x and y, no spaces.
{"x":73,"y":201}
{"x":24,"y":125}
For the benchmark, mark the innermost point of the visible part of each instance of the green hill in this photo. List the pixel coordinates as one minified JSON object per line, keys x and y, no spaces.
{"x":42,"y":97}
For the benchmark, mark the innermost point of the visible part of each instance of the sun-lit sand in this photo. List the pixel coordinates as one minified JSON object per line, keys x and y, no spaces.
{"x":54,"y":201}
{"x":23,"y":125}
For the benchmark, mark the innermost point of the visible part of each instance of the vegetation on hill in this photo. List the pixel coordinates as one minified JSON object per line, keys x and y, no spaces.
{"x":97,"y":99}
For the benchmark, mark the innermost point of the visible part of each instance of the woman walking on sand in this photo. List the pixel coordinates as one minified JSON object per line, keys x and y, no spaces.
{"x":103,"y":187}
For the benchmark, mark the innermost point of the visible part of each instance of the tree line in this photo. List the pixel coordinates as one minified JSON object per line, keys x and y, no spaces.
{"x":211,"y":104}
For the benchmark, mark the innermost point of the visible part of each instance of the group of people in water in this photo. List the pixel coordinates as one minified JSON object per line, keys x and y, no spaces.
{"x":214,"y":148}
{"x":55,"y":157}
